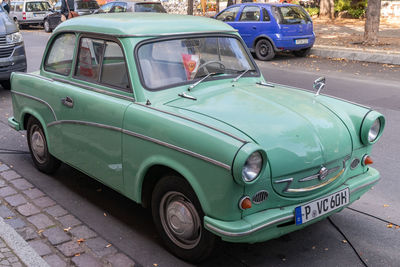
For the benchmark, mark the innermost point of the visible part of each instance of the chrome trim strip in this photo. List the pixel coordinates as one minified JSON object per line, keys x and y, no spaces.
{"x":94,"y":89}
{"x":151,"y":35}
{"x":147,"y":138}
{"x":364,"y":185}
{"x":194,"y":121}
{"x":38,"y":76}
{"x":310,"y":188}
{"x":258,"y":228}
{"x":185,"y":151}
{"x":316,"y":176}
{"x":37,"y":99}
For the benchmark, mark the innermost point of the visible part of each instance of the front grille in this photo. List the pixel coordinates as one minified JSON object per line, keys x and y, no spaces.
{"x":260,"y":197}
{"x":3,"y":40}
{"x":5,"y":49}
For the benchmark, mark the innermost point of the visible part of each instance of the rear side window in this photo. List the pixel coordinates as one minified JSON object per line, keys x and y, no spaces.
{"x":291,"y":15}
{"x":265,"y":15}
{"x":229,"y":14}
{"x":250,"y":13}
{"x":60,"y":55}
{"x":18,"y":7}
{"x":89,"y":59}
{"x":37,"y":6}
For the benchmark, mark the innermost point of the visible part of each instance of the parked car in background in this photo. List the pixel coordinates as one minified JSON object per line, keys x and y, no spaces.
{"x":12,"y":49}
{"x":29,"y":12}
{"x":269,"y":28}
{"x":173,"y":112}
{"x":132,"y":6}
{"x":82,"y":7}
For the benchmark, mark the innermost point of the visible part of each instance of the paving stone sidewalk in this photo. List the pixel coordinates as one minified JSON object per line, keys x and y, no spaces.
{"x":55,"y":235}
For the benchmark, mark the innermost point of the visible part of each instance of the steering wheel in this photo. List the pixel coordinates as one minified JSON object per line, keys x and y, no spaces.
{"x":208,"y":63}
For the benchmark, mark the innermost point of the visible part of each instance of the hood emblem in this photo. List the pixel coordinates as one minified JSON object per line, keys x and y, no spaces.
{"x":323,"y":173}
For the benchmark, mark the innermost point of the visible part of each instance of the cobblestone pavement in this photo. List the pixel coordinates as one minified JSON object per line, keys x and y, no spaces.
{"x":55,"y":234}
{"x":8,"y":257}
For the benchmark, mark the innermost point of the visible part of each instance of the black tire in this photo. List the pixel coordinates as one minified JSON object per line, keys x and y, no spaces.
{"x":6,"y":84}
{"x":264,"y":50}
{"x":37,"y":144}
{"x":46,"y":26}
{"x":189,"y":241}
{"x":302,"y":53}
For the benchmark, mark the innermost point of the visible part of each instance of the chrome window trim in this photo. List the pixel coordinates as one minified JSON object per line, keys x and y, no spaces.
{"x":248,"y":232}
{"x":147,"y":138}
{"x":94,"y":89}
{"x":37,"y":99}
{"x":194,"y":121}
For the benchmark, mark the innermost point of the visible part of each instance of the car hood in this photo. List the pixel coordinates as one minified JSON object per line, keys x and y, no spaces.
{"x":297,"y":132}
{"x":6,"y":24}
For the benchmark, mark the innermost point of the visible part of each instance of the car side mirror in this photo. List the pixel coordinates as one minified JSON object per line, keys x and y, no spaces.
{"x":319,"y":84}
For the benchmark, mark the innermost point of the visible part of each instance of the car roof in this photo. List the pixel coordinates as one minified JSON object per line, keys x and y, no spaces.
{"x":143,"y":24}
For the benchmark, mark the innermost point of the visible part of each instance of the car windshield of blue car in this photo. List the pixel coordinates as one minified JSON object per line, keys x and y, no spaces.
{"x":168,"y":63}
{"x":291,"y":15}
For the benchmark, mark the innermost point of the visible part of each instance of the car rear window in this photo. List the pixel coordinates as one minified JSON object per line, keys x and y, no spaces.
{"x":150,"y":7}
{"x":37,"y":6}
{"x":291,"y":15}
{"x":86,"y":5}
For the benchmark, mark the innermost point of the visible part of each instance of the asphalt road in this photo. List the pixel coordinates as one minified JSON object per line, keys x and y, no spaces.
{"x":364,"y":226}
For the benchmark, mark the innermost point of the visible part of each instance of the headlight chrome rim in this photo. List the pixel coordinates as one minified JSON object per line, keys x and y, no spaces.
{"x":372,"y":128}
{"x":252,"y":167}
{"x":374,"y":131}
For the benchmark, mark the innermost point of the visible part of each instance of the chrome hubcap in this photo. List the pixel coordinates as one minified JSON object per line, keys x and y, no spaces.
{"x":180,"y":220}
{"x":38,"y":145}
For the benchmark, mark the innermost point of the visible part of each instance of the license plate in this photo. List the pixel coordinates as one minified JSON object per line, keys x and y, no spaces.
{"x":319,"y":207}
{"x":301,"y":41}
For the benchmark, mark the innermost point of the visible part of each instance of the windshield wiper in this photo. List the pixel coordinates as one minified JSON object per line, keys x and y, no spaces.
{"x":240,"y":75}
{"x":202,"y":79}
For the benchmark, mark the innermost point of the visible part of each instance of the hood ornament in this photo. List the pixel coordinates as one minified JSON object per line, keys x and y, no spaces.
{"x":319,"y":84}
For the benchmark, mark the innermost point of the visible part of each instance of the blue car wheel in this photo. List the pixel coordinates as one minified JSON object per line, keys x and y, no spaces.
{"x":264,"y":50}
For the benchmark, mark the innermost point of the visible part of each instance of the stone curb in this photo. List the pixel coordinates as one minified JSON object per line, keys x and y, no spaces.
{"x":40,"y":232}
{"x":20,"y":247}
{"x":375,"y":56}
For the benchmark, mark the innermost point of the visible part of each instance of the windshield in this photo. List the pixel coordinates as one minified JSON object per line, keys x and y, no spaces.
{"x":170,"y":62}
{"x":291,"y":15}
{"x":148,"y":7}
{"x":86,"y":5}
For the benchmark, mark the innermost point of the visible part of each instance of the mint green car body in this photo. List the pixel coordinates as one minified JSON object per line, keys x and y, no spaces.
{"x":127,"y":140}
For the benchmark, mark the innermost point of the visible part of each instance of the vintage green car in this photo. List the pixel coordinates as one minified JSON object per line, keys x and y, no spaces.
{"x":173,"y":112}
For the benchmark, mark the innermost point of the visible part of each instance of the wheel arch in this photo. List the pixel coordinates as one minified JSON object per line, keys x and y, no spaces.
{"x":263,"y":36}
{"x":26,"y":114}
{"x":153,"y":170}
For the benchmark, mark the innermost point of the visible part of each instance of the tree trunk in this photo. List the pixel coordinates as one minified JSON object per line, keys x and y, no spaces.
{"x":217,"y":6}
{"x":327,"y":9}
{"x":190,"y":7}
{"x":373,"y":17}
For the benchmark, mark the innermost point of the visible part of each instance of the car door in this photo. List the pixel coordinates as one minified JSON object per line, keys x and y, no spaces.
{"x":248,"y":24}
{"x":94,"y":107}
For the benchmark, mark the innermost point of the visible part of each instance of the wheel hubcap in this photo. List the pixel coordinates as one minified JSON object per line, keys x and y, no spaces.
{"x":180,"y":220}
{"x":38,"y":145}
{"x":264,"y":50}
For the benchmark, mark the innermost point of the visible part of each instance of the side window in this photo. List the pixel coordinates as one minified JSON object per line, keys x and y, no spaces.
{"x":250,"y":13}
{"x":114,"y":70}
{"x":60,"y":55}
{"x":18,"y":7}
{"x":265,"y":15}
{"x":89,"y":59}
{"x":107,"y":7}
{"x":12,"y":7}
{"x":119,"y":7}
{"x":229,"y":14}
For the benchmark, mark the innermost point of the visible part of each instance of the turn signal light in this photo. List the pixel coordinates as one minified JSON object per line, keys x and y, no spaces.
{"x":245,"y":203}
{"x":367,"y":160}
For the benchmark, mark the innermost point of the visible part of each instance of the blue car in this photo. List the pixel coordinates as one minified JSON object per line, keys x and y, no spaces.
{"x":269,"y":28}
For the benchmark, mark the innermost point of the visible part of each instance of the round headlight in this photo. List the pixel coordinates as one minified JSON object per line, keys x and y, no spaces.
{"x":374,"y":130}
{"x":252,"y":167}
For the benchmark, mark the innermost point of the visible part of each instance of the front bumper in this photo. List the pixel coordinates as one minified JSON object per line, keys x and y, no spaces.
{"x":15,"y":62}
{"x":14,"y":124}
{"x":272,"y":223}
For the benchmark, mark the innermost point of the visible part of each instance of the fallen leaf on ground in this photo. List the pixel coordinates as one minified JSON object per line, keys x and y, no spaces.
{"x":385,"y":205}
{"x":326,"y":249}
{"x":9,"y":218}
{"x":80,"y":240}
{"x":40,"y":231}
{"x":397,"y":227}
{"x":109,"y":245}
{"x":67,"y":229}
{"x":344,"y":241}
{"x":77,"y":254}
{"x":155,"y":264}
{"x":389,"y":225}
{"x":105,"y":214}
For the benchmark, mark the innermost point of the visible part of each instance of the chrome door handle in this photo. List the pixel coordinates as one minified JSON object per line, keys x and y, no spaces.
{"x":67,"y":101}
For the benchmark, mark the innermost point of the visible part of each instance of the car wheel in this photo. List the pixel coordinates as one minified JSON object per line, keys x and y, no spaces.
{"x":6,"y":84}
{"x":178,"y":217}
{"x":46,"y":26}
{"x":302,"y":53}
{"x":264,"y":50}
{"x":37,"y":144}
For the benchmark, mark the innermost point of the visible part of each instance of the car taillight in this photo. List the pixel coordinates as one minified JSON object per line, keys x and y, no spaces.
{"x":24,"y":15}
